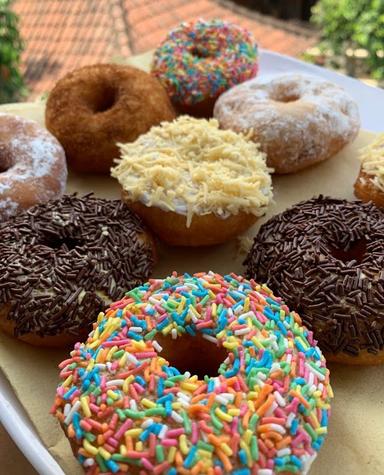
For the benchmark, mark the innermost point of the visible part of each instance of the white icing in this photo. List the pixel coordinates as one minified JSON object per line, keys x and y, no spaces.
{"x":35,"y":155}
{"x":320,"y":115}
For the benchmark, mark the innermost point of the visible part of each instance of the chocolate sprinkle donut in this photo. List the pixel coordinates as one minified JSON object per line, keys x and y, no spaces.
{"x":62,"y":262}
{"x":325,"y":258}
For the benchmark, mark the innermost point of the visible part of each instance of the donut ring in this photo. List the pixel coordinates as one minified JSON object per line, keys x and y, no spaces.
{"x":64,"y":261}
{"x":128,"y":402}
{"x":92,"y":108}
{"x":326,"y":258}
{"x":32,"y":165}
{"x":192,"y":183}
{"x":199,"y":60}
{"x":298,"y":119}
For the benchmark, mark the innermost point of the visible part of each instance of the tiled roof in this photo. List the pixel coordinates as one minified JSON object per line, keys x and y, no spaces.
{"x":61,"y":35}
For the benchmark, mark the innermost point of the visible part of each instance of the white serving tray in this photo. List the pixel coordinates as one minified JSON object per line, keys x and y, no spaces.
{"x":12,"y":415}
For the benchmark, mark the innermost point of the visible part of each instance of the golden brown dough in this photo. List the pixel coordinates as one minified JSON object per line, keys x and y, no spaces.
{"x":205,"y":230}
{"x":53,"y":341}
{"x":94,"y":107}
{"x":364,"y":358}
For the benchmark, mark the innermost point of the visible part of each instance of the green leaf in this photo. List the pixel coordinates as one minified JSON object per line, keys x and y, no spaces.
{"x":355,"y":24}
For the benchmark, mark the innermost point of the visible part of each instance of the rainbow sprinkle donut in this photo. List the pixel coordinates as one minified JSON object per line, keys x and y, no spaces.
{"x":199,"y":60}
{"x":127,"y":402}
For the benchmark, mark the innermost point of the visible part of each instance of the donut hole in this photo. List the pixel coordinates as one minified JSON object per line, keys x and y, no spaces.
{"x":290,"y":98}
{"x":5,"y":159}
{"x":285,"y":94}
{"x":58,"y":242}
{"x":355,"y":251}
{"x":3,"y":166}
{"x":105,"y":98}
{"x":200,"y":53}
{"x":287,"y":97}
{"x":192,"y":353}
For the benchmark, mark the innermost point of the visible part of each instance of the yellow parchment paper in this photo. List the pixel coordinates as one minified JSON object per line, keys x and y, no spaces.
{"x":355,"y":445}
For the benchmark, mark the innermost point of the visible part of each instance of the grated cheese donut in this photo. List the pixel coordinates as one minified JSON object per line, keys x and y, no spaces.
{"x":369,"y":185}
{"x":33,"y":169}
{"x":193,"y":183}
{"x":297,"y":119}
{"x":138,"y":398}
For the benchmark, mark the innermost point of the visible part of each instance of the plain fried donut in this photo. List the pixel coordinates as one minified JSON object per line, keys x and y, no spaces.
{"x":32,"y":165}
{"x":199,"y":374}
{"x":93,"y":107}
{"x":298,"y":119}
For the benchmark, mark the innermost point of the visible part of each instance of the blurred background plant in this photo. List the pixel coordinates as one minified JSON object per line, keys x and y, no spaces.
{"x":61,"y":35}
{"x":12,"y":86}
{"x":352,"y":36}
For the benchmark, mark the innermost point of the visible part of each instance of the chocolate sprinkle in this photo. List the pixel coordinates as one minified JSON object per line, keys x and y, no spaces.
{"x":325,"y":258}
{"x":63,"y":262}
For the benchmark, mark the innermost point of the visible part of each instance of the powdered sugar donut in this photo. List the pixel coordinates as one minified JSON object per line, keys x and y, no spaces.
{"x":32,"y":165}
{"x":298,"y":119}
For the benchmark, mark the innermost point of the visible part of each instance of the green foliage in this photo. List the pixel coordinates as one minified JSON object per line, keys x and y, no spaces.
{"x":11,"y":82}
{"x":353,"y":24}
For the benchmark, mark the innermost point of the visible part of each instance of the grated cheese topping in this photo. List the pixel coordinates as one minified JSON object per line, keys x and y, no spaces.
{"x":372,"y":158}
{"x":191,"y":167}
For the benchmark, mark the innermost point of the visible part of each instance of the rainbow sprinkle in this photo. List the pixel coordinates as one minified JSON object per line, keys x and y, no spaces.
{"x":264,"y":412}
{"x":202,"y":59}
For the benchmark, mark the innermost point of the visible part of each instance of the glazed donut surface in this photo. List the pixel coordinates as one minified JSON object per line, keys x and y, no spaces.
{"x":32,"y":165}
{"x":298,"y":119}
{"x":196,"y":375}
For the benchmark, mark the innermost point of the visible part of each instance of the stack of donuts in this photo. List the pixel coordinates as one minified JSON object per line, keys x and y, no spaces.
{"x":194,"y":146}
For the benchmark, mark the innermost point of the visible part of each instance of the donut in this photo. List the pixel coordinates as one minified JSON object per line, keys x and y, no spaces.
{"x":325,"y":258}
{"x":92,"y":108}
{"x":63,"y":261}
{"x":32,"y":165}
{"x":138,"y":398}
{"x":193,"y":184}
{"x":298,"y":119}
{"x":199,"y":60}
{"x":369,"y":185}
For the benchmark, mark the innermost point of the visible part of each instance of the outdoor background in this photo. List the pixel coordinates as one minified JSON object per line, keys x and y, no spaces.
{"x":41,"y":40}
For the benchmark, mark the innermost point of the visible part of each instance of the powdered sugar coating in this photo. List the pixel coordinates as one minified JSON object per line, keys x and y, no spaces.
{"x":298,"y":119}
{"x":32,"y":165}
